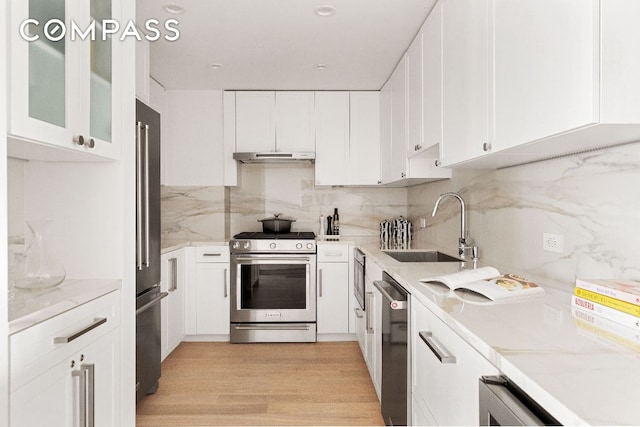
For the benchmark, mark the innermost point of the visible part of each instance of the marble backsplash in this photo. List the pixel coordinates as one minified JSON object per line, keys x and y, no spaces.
{"x":216,"y":213}
{"x":590,"y":199}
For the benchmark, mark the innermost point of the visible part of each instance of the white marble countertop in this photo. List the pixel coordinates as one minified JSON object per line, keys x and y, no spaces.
{"x":28,"y":308}
{"x":175,"y":246}
{"x":572,"y":373}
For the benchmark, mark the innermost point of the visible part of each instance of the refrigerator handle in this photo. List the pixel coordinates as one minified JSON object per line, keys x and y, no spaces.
{"x":146,"y":194}
{"x":139,"y":195}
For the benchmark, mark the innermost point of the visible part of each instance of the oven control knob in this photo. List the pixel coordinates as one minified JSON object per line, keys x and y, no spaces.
{"x":309,"y":245}
{"x":299,"y":246}
{"x":272,"y":245}
{"x":246,"y":245}
{"x":236,"y":245}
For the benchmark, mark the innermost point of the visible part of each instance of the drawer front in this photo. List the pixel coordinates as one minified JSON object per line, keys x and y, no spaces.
{"x":40,"y":347}
{"x":445,"y":378}
{"x":212,"y":254}
{"x":333,"y":253}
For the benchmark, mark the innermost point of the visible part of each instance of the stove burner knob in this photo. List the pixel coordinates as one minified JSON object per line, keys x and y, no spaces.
{"x":247,"y":245}
{"x":272,"y":245}
{"x":299,"y":246}
{"x":309,"y":245}
{"x":236,"y":245}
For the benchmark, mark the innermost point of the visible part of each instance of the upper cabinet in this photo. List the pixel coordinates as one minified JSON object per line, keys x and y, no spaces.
{"x":411,"y":112}
{"x":269,"y":121}
{"x":348,"y":138}
{"x":536,"y":79}
{"x":62,"y":93}
{"x":332,"y":137}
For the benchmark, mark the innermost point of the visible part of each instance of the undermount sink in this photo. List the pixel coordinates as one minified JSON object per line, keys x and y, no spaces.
{"x":421,"y":256}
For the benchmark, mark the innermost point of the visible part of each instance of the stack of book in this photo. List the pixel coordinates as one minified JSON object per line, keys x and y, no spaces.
{"x":609,"y":311}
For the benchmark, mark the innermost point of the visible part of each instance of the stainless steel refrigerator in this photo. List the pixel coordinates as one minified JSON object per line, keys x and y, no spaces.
{"x":148,"y":293}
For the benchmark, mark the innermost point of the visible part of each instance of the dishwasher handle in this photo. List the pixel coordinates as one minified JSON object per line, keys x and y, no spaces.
{"x":395,"y":304}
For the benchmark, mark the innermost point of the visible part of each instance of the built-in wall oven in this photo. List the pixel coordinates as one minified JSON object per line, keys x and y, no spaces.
{"x":273,"y":287}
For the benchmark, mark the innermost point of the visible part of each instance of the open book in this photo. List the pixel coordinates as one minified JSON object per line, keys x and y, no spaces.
{"x":486,"y":284}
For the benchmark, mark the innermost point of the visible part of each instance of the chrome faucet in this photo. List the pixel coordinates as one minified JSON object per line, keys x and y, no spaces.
{"x":465,"y":249}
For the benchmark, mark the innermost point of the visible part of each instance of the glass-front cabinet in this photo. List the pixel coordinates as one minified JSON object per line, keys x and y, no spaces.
{"x":63,"y":88}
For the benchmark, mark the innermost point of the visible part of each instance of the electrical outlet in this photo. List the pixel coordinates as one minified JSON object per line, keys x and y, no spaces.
{"x":423,"y":223}
{"x":552,"y":242}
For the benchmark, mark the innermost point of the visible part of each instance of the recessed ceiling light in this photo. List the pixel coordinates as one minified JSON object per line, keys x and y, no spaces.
{"x":325,"y":10}
{"x":215,"y":66}
{"x":321,"y":67}
{"x":175,"y":9}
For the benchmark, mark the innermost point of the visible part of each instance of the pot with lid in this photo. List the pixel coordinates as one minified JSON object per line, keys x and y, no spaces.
{"x":276,"y":224}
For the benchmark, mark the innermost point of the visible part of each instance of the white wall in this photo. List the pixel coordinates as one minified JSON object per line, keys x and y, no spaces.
{"x":591,"y":199}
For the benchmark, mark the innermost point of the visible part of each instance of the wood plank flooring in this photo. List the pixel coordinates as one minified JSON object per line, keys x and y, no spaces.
{"x":212,"y":384}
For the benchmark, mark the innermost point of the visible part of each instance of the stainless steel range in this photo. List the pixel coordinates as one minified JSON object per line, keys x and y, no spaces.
{"x":273,"y":287}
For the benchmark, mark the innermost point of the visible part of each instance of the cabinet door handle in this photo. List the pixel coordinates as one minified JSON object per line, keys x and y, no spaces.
{"x":320,"y":282}
{"x":209,"y":254}
{"x":86,"y":395}
{"x":486,"y":146}
{"x":358,"y":313}
{"x":436,"y":348}
{"x":139,"y":194}
{"x":333,"y":253}
{"x":226,"y":294}
{"x":173,"y":262}
{"x":82,"y":396}
{"x":369,"y":311}
{"x":90,"y":376}
{"x":96,"y":322}
{"x":146,"y":195}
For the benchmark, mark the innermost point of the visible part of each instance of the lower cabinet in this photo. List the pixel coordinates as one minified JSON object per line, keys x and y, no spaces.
{"x":172,"y":309}
{"x":445,"y":372}
{"x":207,"y":299}
{"x":65,"y":371}
{"x":333,"y":298}
{"x":332,"y":289}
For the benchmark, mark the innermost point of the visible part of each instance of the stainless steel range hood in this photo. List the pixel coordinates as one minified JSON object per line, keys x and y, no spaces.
{"x":275,"y":157}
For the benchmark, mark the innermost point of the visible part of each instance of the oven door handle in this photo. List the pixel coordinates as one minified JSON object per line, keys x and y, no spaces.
{"x":273,"y":328}
{"x":273,"y":258}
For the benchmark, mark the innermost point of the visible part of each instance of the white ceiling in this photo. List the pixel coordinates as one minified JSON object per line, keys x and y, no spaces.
{"x":276,"y":44}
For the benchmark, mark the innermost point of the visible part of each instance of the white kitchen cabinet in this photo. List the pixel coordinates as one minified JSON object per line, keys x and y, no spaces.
{"x":373,"y":313}
{"x":255,"y":125}
{"x":193,"y":141}
{"x":63,"y":94}
{"x":172,"y":311}
{"x":46,"y":376}
{"x":527,"y":93}
{"x":267,"y":121}
{"x":431,"y":81}
{"x":364,"y":138}
{"x":295,"y":127}
{"x":333,"y":289}
{"x":411,"y":158}
{"x":465,"y":80}
{"x":398,"y":159}
{"x":207,"y":299}
{"x":415,"y":99}
{"x":332,"y":138}
{"x":445,"y":371}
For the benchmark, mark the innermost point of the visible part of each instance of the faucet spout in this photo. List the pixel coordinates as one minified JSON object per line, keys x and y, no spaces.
{"x":464,"y":247}
{"x":463,"y":230}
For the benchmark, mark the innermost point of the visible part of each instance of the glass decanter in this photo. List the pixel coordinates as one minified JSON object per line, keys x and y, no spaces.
{"x":41,"y":269}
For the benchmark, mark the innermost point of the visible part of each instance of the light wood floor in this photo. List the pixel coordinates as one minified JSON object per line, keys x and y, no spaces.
{"x":212,"y":384}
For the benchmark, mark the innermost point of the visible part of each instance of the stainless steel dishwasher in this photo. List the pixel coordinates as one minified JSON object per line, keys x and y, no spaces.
{"x":502,"y":403}
{"x":395,"y":361}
